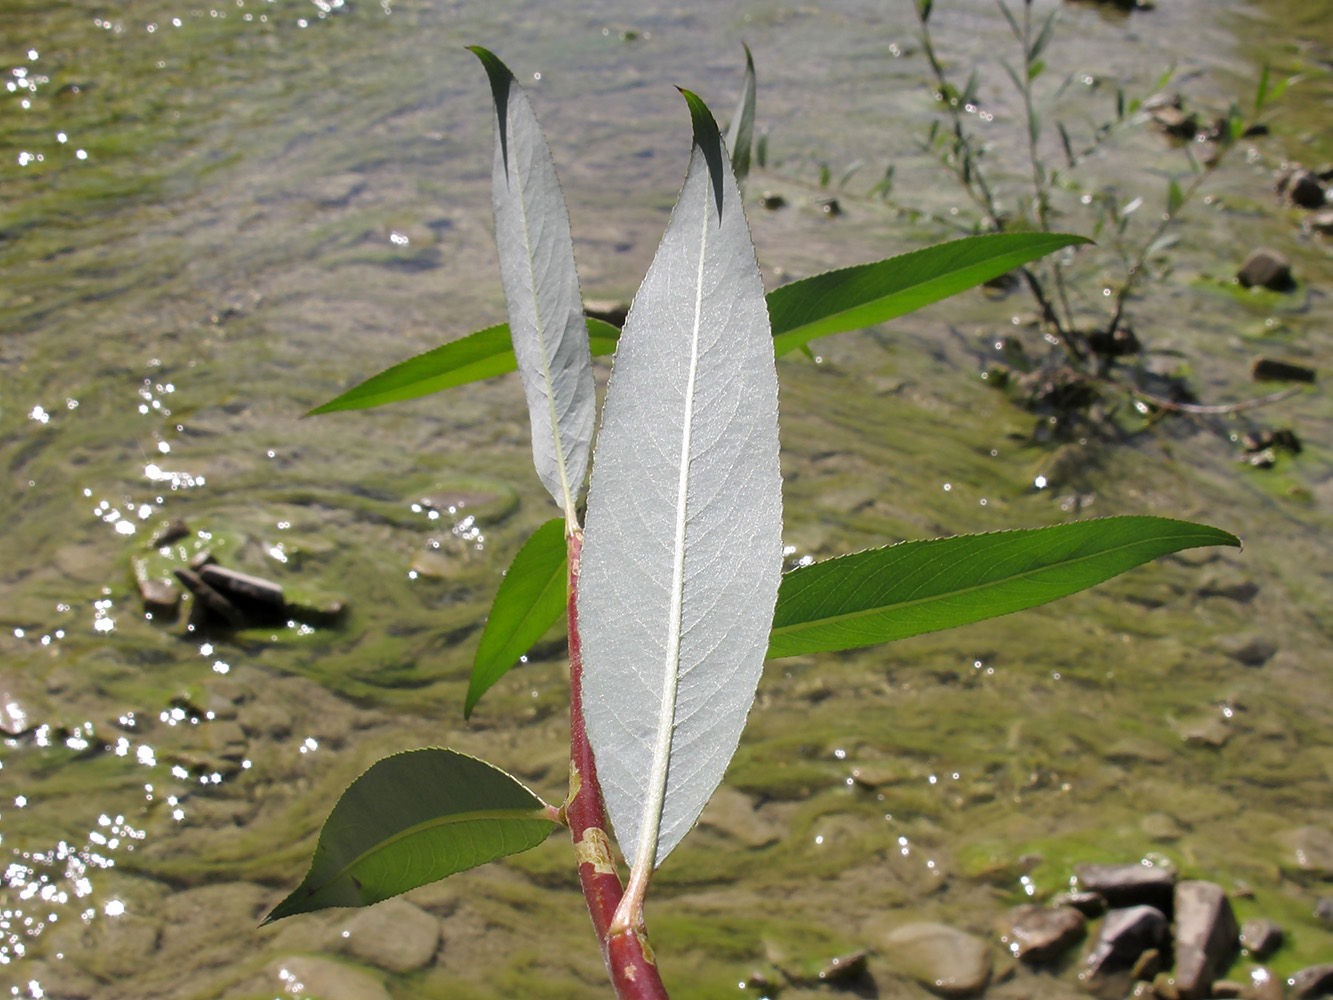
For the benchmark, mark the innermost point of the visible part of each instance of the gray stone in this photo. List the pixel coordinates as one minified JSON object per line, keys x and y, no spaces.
{"x":1323,"y":909}
{"x":1322,"y":222}
{"x":1205,"y":937}
{"x":1311,"y":982}
{"x":1263,"y":985}
{"x":1129,"y":885}
{"x":1125,"y":935}
{"x":948,"y":962}
{"x":1313,"y":849}
{"x":1228,"y":989}
{"x":1266,"y":269}
{"x":242,"y":586}
{"x":325,"y":978}
{"x":394,"y":935}
{"x":1261,"y":937}
{"x":1037,"y":934}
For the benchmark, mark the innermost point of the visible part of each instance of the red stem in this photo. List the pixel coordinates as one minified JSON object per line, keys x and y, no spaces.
{"x":629,"y":957}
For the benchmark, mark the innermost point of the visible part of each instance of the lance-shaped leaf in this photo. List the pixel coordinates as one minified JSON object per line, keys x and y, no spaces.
{"x":823,"y":304}
{"x":412,"y":819}
{"x":531,"y":599}
{"x":915,"y":587}
{"x":683,"y":548}
{"x":865,"y":294}
{"x":740,"y":133}
{"x":541,"y":291}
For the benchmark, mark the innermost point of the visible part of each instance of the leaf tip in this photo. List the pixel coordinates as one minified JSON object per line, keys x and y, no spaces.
{"x":708,"y":140}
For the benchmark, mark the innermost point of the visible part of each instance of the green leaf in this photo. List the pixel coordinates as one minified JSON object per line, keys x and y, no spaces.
{"x":915,"y":587}
{"x":866,"y":294}
{"x":412,"y":819}
{"x":923,"y":8}
{"x":1043,"y":39}
{"x":1175,"y":197}
{"x":531,"y":599}
{"x":1261,"y":91}
{"x":479,"y":355}
{"x":741,"y":132}
{"x":823,"y":304}
{"x":1035,"y":69}
{"x":1008,"y":16}
{"x":541,"y":288}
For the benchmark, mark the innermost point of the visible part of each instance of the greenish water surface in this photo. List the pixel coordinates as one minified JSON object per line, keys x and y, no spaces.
{"x":215,"y":218}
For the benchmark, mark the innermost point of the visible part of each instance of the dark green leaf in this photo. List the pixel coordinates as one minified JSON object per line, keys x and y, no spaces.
{"x":1068,"y":146}
{"x":477,"y":356}
{"x":740,"y":133}
{"x":1043,"y":39}
{"x":412,"y":819}
{"x":1174,"y":197}
{"x":923,"y":8}
{"x":1008,"y":16}
{"x":860,"y":296}
{"x":531,"y":599}
{"x":1035,"y":69}
{"x":823,"y":304}
{"x":915,"y":587}
{"x":1261,"y":91}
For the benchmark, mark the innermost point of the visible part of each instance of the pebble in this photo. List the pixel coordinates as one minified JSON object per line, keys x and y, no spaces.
{"x":948,"y":962}
{"x":1205,"y":937}
{"x":1261,"y":937}
{"x":1265,"y":268}
{"x":1037,"y":934}
{"x":1322,"y":222}
{"x":394,"y":935}
{"x":1129,"y":884}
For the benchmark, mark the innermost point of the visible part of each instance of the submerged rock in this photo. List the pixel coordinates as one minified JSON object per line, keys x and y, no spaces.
{"x":325,"y":978}
{"x":394,"y":935}
{"x":1273,"y":370}
{"x":1037,"y":934}
{"x":1261,"y":937}
{"x":1129,"y":884}
{"x":1309,"y":983}
{"x":1306,"y":190}
{"x":1265,"y":268}
{"x":1125,"y":935}
{"x":948,"y":962}
{"x":1205,"y":937}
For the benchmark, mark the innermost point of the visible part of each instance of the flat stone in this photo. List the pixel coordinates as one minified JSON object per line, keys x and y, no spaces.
{"x":1090,"y":904}
{"x":1205,"y":935}
{"x":1311,"y":982}
{"x":1313,"y":848}
{"x":324,"y":978}
{"x":948,"y":962}
{"x":394,"y":935}
{"x":239,"y":586}
{"x":1228,"y":989}
{"x":161,"y":598}
{"x":1273,"y":370}
{"x":1125,"y":935}
{"x":1322,"y":222}
{"x":1265,"y":268}
{"x":1261,"y":937}
{"x":1129,"y":884}
{"x":1037,"y":934}
{"x":1249,"y":650}
{"x":732,"y":812}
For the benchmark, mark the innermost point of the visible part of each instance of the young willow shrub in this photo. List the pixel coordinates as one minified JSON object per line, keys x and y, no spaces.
{"x":675,"y":595}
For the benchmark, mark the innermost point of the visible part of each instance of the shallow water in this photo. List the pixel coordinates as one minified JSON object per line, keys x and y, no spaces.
{"x":271,"y":204}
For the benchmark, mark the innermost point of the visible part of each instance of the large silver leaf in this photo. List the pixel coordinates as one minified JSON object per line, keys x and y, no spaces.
{"x":541,"y":291}
{"x":683,"y":547}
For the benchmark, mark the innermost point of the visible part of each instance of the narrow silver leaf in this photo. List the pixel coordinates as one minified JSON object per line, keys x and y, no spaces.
{"x":683,"y":547}
{"x":541,"y":291}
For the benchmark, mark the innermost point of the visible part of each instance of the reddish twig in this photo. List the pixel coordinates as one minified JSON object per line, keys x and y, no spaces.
{"x":629,"y":957}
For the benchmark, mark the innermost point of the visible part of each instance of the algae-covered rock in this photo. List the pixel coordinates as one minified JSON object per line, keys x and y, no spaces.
{"x":394,"y":935}
{"x":946,"y":961}
{"x":323,"y":978}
